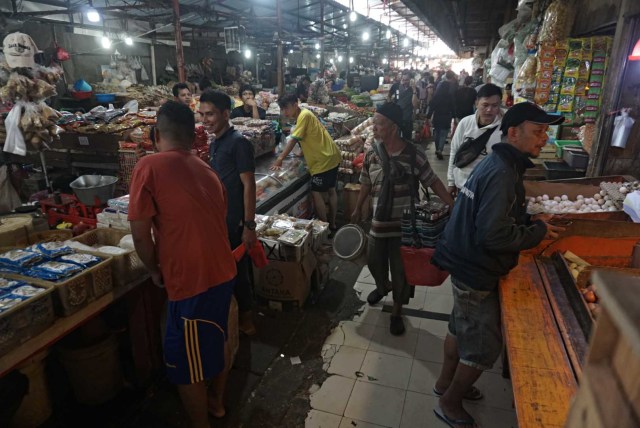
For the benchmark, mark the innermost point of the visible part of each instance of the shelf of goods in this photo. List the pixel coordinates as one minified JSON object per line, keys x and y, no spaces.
{"x":550,"y":304}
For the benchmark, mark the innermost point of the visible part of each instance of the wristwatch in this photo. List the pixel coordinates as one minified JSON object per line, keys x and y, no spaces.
{"x":250,"y":224}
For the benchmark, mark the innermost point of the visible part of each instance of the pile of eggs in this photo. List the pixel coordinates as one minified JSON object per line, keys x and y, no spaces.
{"x":600,"y":202}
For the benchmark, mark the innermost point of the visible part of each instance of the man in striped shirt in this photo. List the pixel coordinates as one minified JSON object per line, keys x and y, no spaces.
{"x":391,"y":171}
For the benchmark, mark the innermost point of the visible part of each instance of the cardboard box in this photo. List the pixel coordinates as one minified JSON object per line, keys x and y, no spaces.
{"x":278,"y":251}
{"x":90,"y":142}
{"x":285,"y":285}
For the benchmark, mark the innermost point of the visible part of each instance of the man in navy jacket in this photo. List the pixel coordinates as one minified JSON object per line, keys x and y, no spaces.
{"x":489,"y":226}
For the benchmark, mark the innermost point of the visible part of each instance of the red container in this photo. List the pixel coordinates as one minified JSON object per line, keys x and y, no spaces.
{"x":418,"y":268}
{"x":81,"y":95}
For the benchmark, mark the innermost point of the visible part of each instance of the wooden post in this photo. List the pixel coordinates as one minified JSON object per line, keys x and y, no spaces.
{"x":182,"y":75}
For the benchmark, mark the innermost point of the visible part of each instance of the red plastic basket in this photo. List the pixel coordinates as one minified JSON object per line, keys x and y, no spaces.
{"x":418,"y":269}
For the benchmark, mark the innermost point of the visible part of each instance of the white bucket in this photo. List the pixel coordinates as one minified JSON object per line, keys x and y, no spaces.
{"x":350,"y":243}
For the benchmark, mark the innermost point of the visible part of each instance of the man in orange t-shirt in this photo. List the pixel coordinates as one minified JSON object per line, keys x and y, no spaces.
{"x":180,"y":198}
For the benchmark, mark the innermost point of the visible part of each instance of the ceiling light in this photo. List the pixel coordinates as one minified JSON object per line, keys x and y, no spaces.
{"x":344,"y":26}
{"x":353,"y":16}
{"x":247,"y":53}
{"x":405,"y":42}
{"x":384,"y":60}
{"x":331,"y":60}
{"x":350,"y":60}
{"x":339,"y":58}
{"x":388,"y":34}
{"x":128,"y":41}
{"x":317,"y":45}
{"x":635,"y":53}
{"x":93,"y":15}
{"x":105,"y":42}
{"x":365,"y":36}
{"x":290,"y":50}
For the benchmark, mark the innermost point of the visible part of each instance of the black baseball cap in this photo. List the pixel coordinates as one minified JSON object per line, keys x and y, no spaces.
{"x":527,"y":112}
{"x":391,"y":111}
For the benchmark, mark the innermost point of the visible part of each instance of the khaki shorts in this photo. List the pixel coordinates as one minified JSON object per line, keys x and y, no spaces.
{"x":475,"y":323}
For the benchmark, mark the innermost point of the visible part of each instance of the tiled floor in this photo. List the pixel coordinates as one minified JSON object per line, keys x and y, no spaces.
{"x":379,"y":380}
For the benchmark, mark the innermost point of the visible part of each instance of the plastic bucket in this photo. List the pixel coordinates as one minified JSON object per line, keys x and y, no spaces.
{"x":94,"y":371}
{"x":350,"y":243}
{"x":36,"y":405}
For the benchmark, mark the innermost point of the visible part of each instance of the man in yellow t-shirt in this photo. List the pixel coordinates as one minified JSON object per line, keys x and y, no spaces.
{"x":320,"y":153}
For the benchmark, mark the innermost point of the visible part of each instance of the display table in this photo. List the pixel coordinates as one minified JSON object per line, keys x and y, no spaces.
{"x":544,"y":362}
{"x":63,"y":326}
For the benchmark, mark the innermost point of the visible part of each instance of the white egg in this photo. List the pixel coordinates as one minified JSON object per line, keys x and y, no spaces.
{"x":532,"y":200}
{"x":545,"y":197}
{"x":603,"y":192}
{"x":539,"y":198}
{"x":564,"y":197}
{"x":601,"y":202}
{"x":612,"y":209}
{"x":580,"y":197}
{"x":597,"y":197}
{"x":557,"y":198}
{"x":607,"y":198}
{"x":623,"y":190}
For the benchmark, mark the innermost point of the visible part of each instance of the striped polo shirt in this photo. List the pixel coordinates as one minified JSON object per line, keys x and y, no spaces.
{"x":372,"y":175}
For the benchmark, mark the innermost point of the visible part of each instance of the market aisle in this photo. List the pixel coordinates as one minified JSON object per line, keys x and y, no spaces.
{"x":378,"y":380}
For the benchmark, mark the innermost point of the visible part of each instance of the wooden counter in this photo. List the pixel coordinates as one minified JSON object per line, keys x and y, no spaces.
{"x":543,"y":378}
{"x":63,"y":326}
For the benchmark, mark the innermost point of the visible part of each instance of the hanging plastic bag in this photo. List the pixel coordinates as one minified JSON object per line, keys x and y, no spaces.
{"x":168,"y":68}
{"x":143,"y":73}
{"x":61,"y":53}
{"x":9,"y":198}
{"x":621,"y":129}
{"x":14,"y":143}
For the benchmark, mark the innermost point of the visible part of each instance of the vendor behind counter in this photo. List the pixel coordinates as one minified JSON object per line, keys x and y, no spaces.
{"x":249,"y":107}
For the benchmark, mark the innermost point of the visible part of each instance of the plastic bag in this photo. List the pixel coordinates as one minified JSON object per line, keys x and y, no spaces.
{"x":621,"y":129}
{"x":14,"y":142}
{"x":525,"y":83}
{"x":558,"y":20}
{"x":168,"y":68}
{"x":9,"y":198}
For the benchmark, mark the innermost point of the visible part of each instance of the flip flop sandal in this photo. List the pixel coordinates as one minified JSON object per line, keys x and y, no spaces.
{"x":453,"y":423}
{"x":473,"y":394}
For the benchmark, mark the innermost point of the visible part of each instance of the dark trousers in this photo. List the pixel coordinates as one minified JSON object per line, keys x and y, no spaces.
{"x":243,"y":288}
{"x":406,"y":131}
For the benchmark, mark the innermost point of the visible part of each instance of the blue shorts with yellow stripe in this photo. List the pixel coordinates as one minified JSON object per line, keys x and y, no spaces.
{"x":196,"y":334}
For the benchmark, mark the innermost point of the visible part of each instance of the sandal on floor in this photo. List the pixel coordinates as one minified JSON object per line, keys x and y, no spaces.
{"x":397,"y":325}
{"x":453,"y":423}
{"x":473,"y":394}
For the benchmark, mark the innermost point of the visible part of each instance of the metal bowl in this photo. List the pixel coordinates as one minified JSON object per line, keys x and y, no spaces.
{"x":94,"y":190}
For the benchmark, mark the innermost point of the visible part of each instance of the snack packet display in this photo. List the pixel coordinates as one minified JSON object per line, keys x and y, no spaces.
{"x":19,"y":258}
{"x":53,"y":271}
{"x":51,"y":249}
{"x":82,"y":260}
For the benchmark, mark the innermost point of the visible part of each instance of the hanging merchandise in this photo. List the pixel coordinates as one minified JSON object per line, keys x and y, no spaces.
{"x":621,"y":129}
{"x":558,"y":20}
{"x":525,"y":83}
{"x":14,"y":142}
{"x":501,"y":63}
{"x":168,"y":68}
{"x":19,"y":50}
{"x":143,"y":73}
{"x":61,"y":53}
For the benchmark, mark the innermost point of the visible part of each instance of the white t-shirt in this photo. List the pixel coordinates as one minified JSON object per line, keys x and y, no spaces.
{"x":468,"y":128}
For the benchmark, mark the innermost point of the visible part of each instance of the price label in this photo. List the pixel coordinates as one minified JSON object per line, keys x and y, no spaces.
{"x":83,"y":141}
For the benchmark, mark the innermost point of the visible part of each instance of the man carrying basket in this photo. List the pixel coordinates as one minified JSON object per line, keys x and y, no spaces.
{"x":391,"y":171}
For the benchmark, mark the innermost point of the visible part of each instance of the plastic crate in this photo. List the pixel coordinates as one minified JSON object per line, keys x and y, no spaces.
{"x":560,"y":144}
{"x":127,"y":160}
{"x":575,"y":158}
{"x":47,"y":236}
{"x":126,"y":267}
{"x":560,"y":170}
{"x":78,"y":291}
{"x":26,"y":320}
